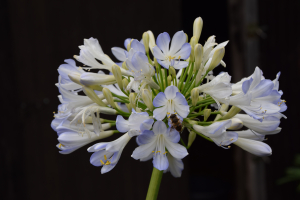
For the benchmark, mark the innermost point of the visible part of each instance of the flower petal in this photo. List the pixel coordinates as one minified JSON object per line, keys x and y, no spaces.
{"x":146,"y":137}
{"x":180,"y":64}
{"x":184,"y":52}
{"x":160,"y":100}
{"x":180,"y":99}
{"x":122,"y":124}
{"x":175,"y":166}
{"x":158,"y":54}
{"x":159,"y":127}
{"x":119,"y":53}
{"x":160,"y":162}
{"x":255,"y":147}
{"x":176,"y":150}
{"x":178,"y":40}
{"x":160,"y":113}
{"x":170,"y":92}
{"x":182,"y":110}
{"x":144,"y":150}
{"x":146,"y":125}
{"x":138,"y":46}
{"x":163,"y":41}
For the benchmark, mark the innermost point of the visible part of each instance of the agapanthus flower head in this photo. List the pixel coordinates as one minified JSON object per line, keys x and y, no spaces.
{"x":156,"y":95}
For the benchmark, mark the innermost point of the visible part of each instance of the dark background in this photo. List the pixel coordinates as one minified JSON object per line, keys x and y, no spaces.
{"x":36,"y":37}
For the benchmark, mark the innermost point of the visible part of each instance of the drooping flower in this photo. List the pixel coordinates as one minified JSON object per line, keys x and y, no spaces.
{"x":217,"y":132}
{"x":158,"y":143}
{"x":171,"y":101}
{"x":257,"y":148}
{"x":107,"y":154}
{"x":136,"y":123}
{"x":172,"y":56}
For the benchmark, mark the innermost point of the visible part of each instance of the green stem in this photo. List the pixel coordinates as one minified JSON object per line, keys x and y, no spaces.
{"x":154,"y":184}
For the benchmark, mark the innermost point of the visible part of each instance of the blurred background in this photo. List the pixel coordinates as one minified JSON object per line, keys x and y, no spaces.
{"x":36,"y":37}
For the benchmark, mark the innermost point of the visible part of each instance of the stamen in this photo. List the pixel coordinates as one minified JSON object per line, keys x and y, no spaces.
{"x":102,"y":162}
{"x":105,"y":158}
{"x":107,"y":162}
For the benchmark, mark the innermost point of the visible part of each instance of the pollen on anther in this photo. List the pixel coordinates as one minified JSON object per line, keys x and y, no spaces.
{"x":105,"y":158}
{"x":59,"y":146}
{"x":102,"y":162}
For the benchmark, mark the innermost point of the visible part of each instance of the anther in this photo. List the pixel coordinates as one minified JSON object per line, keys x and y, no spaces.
{"x":102,"y":162}
{"x":105,"y":158}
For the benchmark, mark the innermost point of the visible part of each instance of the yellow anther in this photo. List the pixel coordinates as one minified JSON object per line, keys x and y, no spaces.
{"x":53,"y":112}
{"x":141,"y":70}
{"x":102,"y":162}
{"x":179,"y":57}
{"x":165,"y":152}
{"x":153,"y":151}
{"x":59,"y":146}
{"x":158,"y":152}
{"x":231,"y":139}
{"x":107,"y":162}
{"x":105,"y":158}
{"x":229,"y":147}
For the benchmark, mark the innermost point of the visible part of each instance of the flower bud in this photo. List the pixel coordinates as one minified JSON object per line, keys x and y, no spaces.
{"x":146,"y":41}
{"x":216,"y":59}
{"x":88,"y":79}
{"x":187,"y":38}
{"x":132,"y":100}
{"x":151,"y":40}
{"x":172,"y":72}
{"x":147,"y":98}
{"x":200,"y":98}
{"x":153,"y":85}
{"x":128,"y":105}
{"x":199,"y":76}
{"x":198,"y":56}
{"x":197,"y":29}
{"x":192,"y":137}
{"x":75,"y":77}
{"x":195,"y":96}
{"x":125,"y":83}
{"x":193,"y":42}
{"x":93,"y":96}
{"x":129,"y":45}
{"x":117,"y":74}
{"x":236,"y":124}
{"x":206,"y":114}
{"x":155,"y":63}
{"x":169,"y":79}
{"x":108,"y":96}
{"x":124,"y":66}
{"x":192,"y":55}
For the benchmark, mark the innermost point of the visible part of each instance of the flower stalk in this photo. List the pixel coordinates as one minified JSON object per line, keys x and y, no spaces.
{"x":154,"y":185}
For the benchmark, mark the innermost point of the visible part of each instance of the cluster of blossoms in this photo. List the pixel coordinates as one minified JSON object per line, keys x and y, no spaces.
{"x":155,"y":97}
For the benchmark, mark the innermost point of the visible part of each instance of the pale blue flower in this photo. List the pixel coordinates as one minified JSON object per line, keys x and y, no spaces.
{"x":217,"y":132}
{"x":167,"y":55}
{"x":136,"y":123}
{"x":107,"y":154}
{"x":169,"y":102}
{"x":157,"y":144}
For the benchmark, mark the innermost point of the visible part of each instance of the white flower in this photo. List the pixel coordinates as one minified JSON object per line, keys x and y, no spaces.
{"x":171,"y":101}
{"x":219,"y":88}
{"x":154,"y":143}
{"x":107,"y":154}
{"x":171,"y":56}
{"x":217,"y":132}
{"x":136,"y":123}
{"x":255,"y":147}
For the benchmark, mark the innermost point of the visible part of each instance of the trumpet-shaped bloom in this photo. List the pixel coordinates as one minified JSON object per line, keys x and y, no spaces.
{"x":269,"y":123}
{"x":107,"y":154}
{"x":120,"y":53}
{"x":255,"y":147}
{"x":171,"y":56}
{"x":219,"y":88}
{"x":136,"y":123}
{"x":171,"y":101}
{"x":158,"y":143}
{"x":217,"y":132}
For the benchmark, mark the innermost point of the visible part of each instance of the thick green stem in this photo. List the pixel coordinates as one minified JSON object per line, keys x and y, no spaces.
{"x":154,"y":184}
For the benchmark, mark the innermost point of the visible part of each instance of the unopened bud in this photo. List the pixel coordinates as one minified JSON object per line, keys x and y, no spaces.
{"x":146,"y":41}
{"x":172,"y":72}
{"x":200,"y":98}
{"x":153,"y":85}
{"x":192,"y":55}
{"x":169,"y":79}
{"x":206,"y":114}
{"x":197,"y":29}
{"x":132,"y":100}
{"x":199,"y":76}
{"x":108,"y":96}
{"x":155,"y":63}
{"x":124,"y":66}
{"x":147,"y":98}
{"x":75,"y":77}
{"x":118,"y":75}
{"x":88,"y":79}
{"x":198,"y":56}
{"x":236,"y":124}
{"x":216,"y":59}
{"x":192,"y":137}
{"x":187,"y":38}
{"x":129,"y":45}
{"x":128,"y":105}
{"x":193,"y":41}
{"x":93,"y":96}
{"x":151,"y":40}
{"x":195,"y":96}
{"x":125,"y":83}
